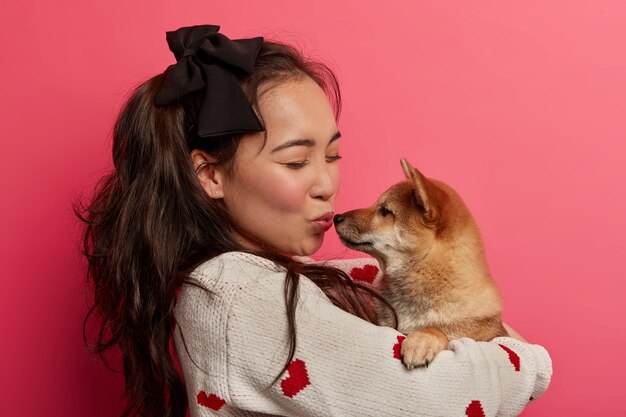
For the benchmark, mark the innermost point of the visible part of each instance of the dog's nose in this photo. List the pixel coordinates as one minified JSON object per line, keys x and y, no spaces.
{"x":338,"y":218}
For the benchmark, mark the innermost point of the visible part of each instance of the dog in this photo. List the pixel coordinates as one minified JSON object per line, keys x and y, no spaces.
{"x":435,"y":271}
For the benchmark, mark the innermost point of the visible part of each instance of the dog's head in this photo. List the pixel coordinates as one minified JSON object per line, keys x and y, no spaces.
{"x":406,"y":220}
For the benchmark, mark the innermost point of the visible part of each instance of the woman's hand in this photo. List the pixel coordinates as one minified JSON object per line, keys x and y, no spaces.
{"x":513,"y":333}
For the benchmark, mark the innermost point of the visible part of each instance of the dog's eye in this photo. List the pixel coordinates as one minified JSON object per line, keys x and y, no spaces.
{"x":384,"y":211}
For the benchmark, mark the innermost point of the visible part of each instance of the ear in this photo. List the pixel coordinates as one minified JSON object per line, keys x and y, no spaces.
{"x":211,"y":178}
{"x":421,"y":189}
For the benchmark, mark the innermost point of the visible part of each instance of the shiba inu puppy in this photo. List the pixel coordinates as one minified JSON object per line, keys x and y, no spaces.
{"x":435,"y":271}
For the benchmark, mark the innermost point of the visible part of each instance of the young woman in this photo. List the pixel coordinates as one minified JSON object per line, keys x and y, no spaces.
{"x":225,"y":174}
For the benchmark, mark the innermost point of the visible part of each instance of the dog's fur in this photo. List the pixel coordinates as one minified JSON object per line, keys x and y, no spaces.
{"x":435,"y":272}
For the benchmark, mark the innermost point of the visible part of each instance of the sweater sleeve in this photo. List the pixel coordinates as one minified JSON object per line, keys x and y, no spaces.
{"x":345,"y":366}
{"x":364,"y":270}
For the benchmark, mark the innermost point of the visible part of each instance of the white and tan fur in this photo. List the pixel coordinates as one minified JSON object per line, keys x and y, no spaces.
{"x":435,"y":271}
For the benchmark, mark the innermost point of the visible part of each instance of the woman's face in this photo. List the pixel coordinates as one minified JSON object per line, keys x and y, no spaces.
{"x":276,"y":192}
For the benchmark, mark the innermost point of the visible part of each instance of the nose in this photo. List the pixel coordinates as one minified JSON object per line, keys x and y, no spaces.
{"x":327,"y":181}
{"x":338,"y":218}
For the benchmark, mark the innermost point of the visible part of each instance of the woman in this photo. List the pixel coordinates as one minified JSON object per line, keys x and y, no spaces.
{"x":225,"y":175}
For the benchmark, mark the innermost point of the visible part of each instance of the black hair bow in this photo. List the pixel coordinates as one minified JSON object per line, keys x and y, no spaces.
{"x":209,"y":60}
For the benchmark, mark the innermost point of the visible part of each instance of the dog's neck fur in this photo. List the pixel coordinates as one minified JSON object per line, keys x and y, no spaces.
{"x":447,"y":262}
{"x":436,"y":278}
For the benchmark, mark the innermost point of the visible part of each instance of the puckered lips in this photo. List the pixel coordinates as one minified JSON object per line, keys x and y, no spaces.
{"x":325,"y":221}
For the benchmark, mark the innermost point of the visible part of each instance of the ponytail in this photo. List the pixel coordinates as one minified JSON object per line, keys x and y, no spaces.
{"x":142,"y":237}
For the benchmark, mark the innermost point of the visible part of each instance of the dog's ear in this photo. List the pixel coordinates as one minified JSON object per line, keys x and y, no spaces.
{"x":420,"y":193}
{"x":407,"y":168}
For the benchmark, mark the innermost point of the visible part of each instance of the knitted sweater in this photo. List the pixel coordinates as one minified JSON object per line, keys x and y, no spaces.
{"x":236,"y":343}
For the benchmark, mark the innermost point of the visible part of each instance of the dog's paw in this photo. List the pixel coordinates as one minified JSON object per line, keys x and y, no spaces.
{"x":420,"y":347}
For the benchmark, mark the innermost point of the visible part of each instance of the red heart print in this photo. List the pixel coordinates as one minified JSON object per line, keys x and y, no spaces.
{"x":212,"y":401}
{"x":396,"y":347}
{"x":297,"y":380}
{"x":367,"y":273}
{"x":475,"y":409}
{"x":513,"y":357}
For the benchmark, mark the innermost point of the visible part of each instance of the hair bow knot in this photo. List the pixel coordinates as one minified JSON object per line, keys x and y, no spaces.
{"x":209,"y":60}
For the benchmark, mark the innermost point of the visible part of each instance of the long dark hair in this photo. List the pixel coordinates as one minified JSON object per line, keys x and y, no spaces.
{"x":149,"y":224}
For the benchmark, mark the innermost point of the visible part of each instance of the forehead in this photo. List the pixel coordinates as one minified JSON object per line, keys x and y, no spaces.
{"x":297,"y":109}
{"x":397,"y":191}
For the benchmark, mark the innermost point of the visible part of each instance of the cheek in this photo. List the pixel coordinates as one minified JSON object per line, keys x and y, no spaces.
{"x":282,"y":192}
{"x":336,"y":177}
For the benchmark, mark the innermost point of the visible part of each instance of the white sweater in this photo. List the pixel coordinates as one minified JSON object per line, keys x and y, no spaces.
{"x":237,"y":341}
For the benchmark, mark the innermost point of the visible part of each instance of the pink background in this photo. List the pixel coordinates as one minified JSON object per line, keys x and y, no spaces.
{"x":520,"y":107}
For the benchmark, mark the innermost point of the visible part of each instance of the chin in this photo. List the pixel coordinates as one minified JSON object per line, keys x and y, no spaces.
{"x":312,"y":246}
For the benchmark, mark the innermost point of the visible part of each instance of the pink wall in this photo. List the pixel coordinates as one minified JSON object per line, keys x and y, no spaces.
{"x":520,"y":107}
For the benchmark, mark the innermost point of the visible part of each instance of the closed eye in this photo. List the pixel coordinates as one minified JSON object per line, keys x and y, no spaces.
{"x":296,"y":165}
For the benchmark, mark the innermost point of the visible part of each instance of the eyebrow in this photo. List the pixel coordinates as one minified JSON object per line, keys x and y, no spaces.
{"x":303,"y":142}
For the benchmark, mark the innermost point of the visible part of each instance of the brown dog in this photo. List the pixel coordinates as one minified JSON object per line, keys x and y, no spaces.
{"x":435,"y":272}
